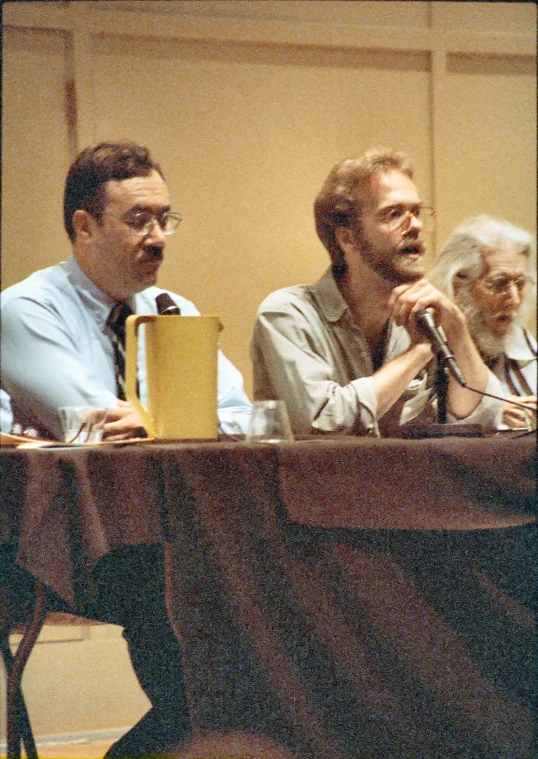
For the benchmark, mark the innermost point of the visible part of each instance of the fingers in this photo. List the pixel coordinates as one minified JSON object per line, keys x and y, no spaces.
{"x":406,"y":300}
{"x":121,"y":411}
{"x":122,"y":423}
{"x":515,"y":416}
{"x":117,"y":437}
{"x":530,"y":400}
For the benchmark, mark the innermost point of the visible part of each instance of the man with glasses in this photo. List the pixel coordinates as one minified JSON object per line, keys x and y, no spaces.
{"x":345,"y":353}
{"x":59,"y":349}
{"x":58,"y":341}
{"x":484,"y":268}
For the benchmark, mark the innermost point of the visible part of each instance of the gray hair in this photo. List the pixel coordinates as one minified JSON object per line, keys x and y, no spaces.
{"x":462,"y":253}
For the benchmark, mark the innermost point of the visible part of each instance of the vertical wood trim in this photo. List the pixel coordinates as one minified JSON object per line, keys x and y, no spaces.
{"x":438,"y":69}
{"x":81,"y":74}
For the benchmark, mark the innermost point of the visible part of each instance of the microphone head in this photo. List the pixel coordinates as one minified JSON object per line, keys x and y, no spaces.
{"x":166,"y":306}
{"x":423,"y":316}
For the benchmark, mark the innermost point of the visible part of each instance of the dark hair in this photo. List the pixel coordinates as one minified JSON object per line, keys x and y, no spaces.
{"x":93,"y":168}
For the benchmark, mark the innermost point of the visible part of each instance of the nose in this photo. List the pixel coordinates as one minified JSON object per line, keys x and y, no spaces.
{"x":513,"y":296}
{"x":414,"y":222}
{"x":156,"y":235}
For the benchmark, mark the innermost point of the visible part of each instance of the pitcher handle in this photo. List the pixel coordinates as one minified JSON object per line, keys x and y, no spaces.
{"x":131,"y":367}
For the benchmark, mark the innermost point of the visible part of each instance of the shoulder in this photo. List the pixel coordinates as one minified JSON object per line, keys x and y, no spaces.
{"x":46,"y":285}
{"x":286,"y":299}
{"x":319,"y":301}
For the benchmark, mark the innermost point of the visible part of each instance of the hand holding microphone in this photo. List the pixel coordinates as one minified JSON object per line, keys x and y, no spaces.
{"x":427,"y":324}
{"x":401,"y":303}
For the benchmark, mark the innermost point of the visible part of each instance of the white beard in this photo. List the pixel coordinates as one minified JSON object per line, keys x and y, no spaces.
{"x":489,"y":344}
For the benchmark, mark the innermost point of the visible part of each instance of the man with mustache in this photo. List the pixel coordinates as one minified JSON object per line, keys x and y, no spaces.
{"x":58,"y":350}
{"x":57,"y":347}
{"x":484,"y":267}
{"x":345,"y":353}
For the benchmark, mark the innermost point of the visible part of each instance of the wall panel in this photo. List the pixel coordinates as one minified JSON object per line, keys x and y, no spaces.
{"x":497,"y":17}
{"x":35,"y":150}
{"x":246,"y":136}
{"x":487,"y":140}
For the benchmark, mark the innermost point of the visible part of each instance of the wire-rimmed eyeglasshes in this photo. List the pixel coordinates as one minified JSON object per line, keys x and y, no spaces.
{"x":141,"y":223}
{"x":398,"y":217}
{"x":501,"y":285}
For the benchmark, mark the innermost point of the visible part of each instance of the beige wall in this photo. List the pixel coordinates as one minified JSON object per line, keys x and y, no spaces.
{"x":247,"y":105}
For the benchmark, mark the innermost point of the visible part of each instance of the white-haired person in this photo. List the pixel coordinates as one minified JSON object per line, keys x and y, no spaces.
{"x":485,"y":267}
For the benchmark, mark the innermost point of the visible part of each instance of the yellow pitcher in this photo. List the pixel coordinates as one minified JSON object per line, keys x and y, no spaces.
{"x":181,"y":364}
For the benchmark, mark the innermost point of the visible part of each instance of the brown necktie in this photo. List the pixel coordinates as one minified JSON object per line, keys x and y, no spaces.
{"x":116,"y":321}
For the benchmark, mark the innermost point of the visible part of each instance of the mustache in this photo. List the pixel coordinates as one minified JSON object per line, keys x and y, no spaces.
{"x":506,"y":312}
{"x":412,"y":241}
{"x":154,"y":253}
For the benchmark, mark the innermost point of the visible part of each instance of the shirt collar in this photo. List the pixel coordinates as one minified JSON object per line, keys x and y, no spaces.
{"x":516,"y":346}
{"x":94,"y":299}
{"x":331,"y":302}
{"x":328,"y":297}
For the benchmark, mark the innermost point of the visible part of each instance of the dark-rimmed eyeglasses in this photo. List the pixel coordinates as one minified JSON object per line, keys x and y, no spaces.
{"x":141,"y":223}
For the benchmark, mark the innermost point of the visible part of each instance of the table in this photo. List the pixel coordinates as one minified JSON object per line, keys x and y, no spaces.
{"x":349,"y":597}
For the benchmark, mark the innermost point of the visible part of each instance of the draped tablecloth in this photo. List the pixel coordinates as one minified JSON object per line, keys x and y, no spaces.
{"x":350,"y":597}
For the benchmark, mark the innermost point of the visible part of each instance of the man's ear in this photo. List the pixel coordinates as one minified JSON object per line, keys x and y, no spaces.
{"x":345,"y":239}
{"x":83,"y":224}
{"x":457,"y":283}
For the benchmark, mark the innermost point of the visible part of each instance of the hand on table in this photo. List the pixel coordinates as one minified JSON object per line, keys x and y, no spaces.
{"x":124,"y":423}
{"x":515,"y":416}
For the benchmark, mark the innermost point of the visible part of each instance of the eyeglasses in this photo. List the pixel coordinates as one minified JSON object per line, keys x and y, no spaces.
{"x":141,"y":223}
{"x":399,"y":217}
{"x":502,"y":285}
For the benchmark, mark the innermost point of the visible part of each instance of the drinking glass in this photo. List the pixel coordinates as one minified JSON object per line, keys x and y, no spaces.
{"x":269,"y":423}
{"x":82,"y":424}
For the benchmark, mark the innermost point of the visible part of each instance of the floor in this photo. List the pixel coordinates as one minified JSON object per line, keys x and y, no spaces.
{"x":72,"y":750}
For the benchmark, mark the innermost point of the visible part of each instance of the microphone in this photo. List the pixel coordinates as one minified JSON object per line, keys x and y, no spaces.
{"x":166,"y":306}
{"x":426,"y":321}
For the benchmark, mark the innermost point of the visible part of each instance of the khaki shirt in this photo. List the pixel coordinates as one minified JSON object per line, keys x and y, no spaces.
{"x":307,"y":351}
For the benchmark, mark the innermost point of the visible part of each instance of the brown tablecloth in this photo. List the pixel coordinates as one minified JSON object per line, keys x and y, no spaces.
{"x":298,"y":620}
{"x":438,"y":484}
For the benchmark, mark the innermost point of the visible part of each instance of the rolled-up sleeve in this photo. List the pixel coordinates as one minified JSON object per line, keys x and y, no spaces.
{"x":488,"y":413}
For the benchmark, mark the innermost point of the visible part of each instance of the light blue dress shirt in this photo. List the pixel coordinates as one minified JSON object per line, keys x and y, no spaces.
{"x":6,"y":417}
{"x":57,"y":349}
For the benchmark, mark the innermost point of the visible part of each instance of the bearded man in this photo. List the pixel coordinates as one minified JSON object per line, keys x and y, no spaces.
{"x":484,"y":267}
{"x":346,"y":353}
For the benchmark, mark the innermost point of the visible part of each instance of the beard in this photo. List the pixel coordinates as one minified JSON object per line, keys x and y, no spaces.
{"x":392,"y":264}
{"x":488,"y":344}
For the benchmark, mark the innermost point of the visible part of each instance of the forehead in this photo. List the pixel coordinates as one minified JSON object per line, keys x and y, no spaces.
{"x":390,"y":189}
{"x":508,"y":260}
{"x":124,"y":194}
